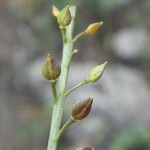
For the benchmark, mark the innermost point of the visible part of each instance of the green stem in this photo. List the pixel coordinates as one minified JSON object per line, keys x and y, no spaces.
{"x":63,"y":30}
{"x":58,"y":106}
{"x":74,"y":88}
{"x":53,"y":87}
{"x":66,"y":125}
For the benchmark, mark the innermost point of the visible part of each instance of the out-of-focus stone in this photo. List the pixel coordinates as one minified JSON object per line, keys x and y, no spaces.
{"x":130,"y":43}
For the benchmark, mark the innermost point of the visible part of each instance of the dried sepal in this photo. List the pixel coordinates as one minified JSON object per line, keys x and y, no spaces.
{"x":55,"y":11}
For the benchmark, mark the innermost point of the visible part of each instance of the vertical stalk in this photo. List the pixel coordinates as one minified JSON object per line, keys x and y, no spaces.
{"x":54,"y":91}
{"x":59,"y":104}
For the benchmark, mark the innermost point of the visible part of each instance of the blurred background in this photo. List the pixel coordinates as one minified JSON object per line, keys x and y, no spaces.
{"x":120,"y":118}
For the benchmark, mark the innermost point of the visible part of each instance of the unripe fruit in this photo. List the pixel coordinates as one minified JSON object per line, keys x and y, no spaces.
{"x":64,"y":17}
{"x":50,"y":68}
{"x":95,"y":73}
{"x":93,"y":28}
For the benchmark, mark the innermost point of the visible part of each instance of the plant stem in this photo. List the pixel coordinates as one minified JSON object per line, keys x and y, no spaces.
{"x":63,"y":30}
{"x":58,"y":106}
{"x":66,"y":125}
{"x":74,"y":88}
{"x":77,"y":37}
{"x":53,"y":87}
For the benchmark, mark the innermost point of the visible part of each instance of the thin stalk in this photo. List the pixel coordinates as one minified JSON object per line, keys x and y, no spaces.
{"x":58,"y":106}
{"x":74,"y":88}
{"x":77,"y":37}
{"x":66,"y":125}
{"x":54,"y":92}
{"x":63,"y":32}
{"x":53,"y":87}
{"x":73,"y":54}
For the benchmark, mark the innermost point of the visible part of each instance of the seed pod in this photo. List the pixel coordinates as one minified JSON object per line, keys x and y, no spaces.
{"x":50,"y":68}
{"x":93,"y":28}
{"x":85,"y":148}
{"x":81,"y":109}
{"x":64,"y":17}
{"x":95,"y":73}
{"x":55,"y":11}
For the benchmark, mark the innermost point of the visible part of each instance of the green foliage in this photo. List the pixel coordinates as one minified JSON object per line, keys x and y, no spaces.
{"x":133,"y":139}
{"x":63,"y":3}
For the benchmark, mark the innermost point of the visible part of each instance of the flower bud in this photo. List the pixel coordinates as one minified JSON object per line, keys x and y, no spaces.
{"x":50,"y":68}
{"x":93,"y":28}
{"x":85,"y":148}
{"x":64,"y":17}
{"x":55,"y":11}
{"x":95,"y":73}
{"x":81,"y":109}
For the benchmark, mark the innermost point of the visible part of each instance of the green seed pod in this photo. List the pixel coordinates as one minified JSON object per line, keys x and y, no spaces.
{"x":50,"y":68}
{"x":93,"y":28}
{"x":64,"y":17}
{"x":81,"y":109}
{"x":95,"y":73}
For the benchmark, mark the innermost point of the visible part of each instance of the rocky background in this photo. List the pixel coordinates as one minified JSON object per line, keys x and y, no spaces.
{"x":120,"y":118}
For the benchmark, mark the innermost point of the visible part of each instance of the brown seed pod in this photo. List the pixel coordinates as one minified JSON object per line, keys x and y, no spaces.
{"x":81,"y":109}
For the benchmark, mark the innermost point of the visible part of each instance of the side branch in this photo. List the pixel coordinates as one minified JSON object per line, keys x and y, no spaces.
{"x":74,"y":88}
{"x":77,"y":37}
{"x":66,"y":125}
